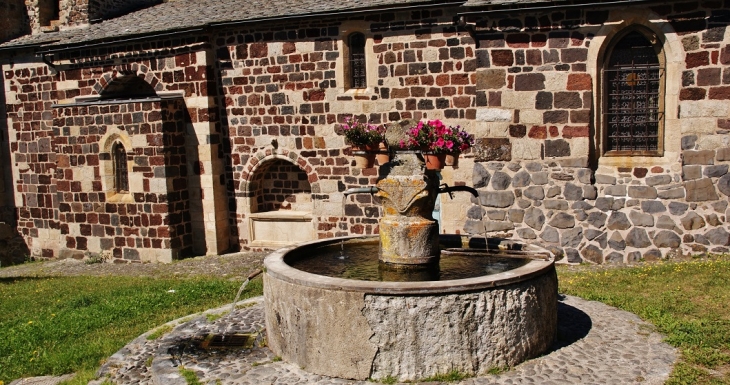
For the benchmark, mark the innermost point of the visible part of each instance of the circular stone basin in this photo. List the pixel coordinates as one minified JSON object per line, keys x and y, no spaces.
{"x":360,"y":329}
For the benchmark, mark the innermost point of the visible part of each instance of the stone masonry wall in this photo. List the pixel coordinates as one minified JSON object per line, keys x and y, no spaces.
{"x":14,"y":19}
{"x":149,"y":223}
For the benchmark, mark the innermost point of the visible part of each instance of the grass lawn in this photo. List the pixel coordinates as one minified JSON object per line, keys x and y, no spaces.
{"x":71,"y":324}
{"x":689,"y":302}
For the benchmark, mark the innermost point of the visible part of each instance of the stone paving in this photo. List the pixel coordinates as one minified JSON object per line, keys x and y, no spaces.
{"x":597,"y":344}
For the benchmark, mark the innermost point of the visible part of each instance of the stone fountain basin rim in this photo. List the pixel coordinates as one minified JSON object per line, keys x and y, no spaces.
{"x":275,"y":266}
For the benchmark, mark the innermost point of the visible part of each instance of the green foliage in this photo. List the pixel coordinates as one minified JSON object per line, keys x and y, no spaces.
{"x":190,"y":377}
{"x":159,"y":332}
{"x":689,"y":302}
{"x":451,"y":376}
{"x":53,"y":325}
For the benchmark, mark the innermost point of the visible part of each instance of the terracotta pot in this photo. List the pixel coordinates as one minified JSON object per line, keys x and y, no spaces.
{"x":434,"y":161}
{"x":382,"y":156}
{"x":452,"y":160}
{"x":364,"y":159}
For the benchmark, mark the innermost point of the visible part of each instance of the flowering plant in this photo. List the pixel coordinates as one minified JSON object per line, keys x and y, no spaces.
{"x":434,"y":136}
{"x":361,"y":134}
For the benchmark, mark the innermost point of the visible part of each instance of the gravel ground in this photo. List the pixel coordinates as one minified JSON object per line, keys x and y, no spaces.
{"x":234,"y":266}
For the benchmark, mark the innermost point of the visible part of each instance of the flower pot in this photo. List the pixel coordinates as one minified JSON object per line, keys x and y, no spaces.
{"x":452,"y":160}
{"x":364,"y":159}
{"x":434,"y":161}
{"x":382,"y":156}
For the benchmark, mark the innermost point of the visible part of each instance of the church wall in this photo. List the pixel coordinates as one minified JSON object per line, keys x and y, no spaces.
{"x":14,"y":20}
{"x":528,"y":87}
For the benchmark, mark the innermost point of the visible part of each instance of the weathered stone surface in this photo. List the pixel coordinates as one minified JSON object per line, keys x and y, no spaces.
{"x":604,"y":203}
{"x":521,"y":179}
{"x":689,"y":141}
{"x":562,"y":221}
{"x":593,"y":254}
{"x":480,"y":177}
{"x":666,"y":238}
{"x":491,"y":78}
{"x":492,"y":149}
{"x":550,"y":235}
{"x":573,"y":162}
{"x":597,"y":219}
{"x":642,"y":192}
{"x":584,"y":175}
{"x":534,"y":218}
{"x":641,"y":219}
{"x":605,"y":179}
{"x":496,"y":215}
{"x":616,"y":241}
{"x":691,"y":172}
{"x":494,"y":115}
{"x":678,"y":208}
{"x":638,"y":238}
{"x":602,"y":240}
{"x":498,"y":225}
{"x":700,"y":190}
{"x":534,"y":192}
{"x":615,"y":258}
{"x":720,"y":206}
{"x":573,"y":192}
{"x":658,"y":180}
{"x":713,"y":220}
{"x":591,"y":234}
{"x":562,"y":176}
{"x":590,"y":192}
{"x":540,"y":178}
{"x":533,"y":167}
{"x":526,"y":233}
{"x":705,"y":157}
{"x":618,"y":204}
{"x":652,"y":255}
{"x":618,"y":221}
{"x":572,"y":237}
{"x":617,"y":191}
{"x":581,"y":205}
{"x":523,"y":203}
{"x":573,"y":256}
{"x":653,"y":207}
{"x":580,"y":215}
{"x":555,"y":204}
{"x":475,"y":212}
{"x":718,"y":236}
{"x":699,"y":238}
{"x":556,"y":148}
{"x":516,"y":215}
{"x":496,"y":198}
{"x":666,"y":222}
{"x":723,"y":184}
{"x":553,"y":191}
{"x":674,"y":193}
{"x":500,"y":181}
{"x":715,"y":171}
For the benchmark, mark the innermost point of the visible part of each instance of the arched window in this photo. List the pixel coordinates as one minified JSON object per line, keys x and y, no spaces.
{"x":356,"y":58}
{"x":633,"y":94}
{"x":119,"y":157}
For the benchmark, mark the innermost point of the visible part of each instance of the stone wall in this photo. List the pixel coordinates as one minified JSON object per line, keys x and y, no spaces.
{"x":14,"y":19}
{"x":528,"y":87}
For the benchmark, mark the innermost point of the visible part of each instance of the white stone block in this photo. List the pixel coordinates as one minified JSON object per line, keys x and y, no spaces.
{"x":519,"y":100}
{"x":704,"y":109}
{"x":698,"y":125}
{"x":526,"y":149}
{"x":494,"y":115}
{"x":555,"y":81}
{"x":531,"y":117}
{"x":67,"y":85}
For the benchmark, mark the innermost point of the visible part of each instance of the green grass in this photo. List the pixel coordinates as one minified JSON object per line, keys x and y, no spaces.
{"x":689,"y":302}
{"x":53,"y":326}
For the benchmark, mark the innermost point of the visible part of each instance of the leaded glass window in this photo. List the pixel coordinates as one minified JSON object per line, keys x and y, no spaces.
{"x":356,"y":47}
{"x":119,"y":156}
{"x":633,"y":81}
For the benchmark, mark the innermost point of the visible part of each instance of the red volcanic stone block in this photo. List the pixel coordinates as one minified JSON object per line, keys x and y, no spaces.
{"x":533,"y":57}
{"x":720,"y":93}
{"x":575,"y":132}
{"x":529,"y":82}
{"x":657,"y":170}
{"x":640,"y":172}
{"x":692,"y":93}
{"x":579,"y":82}
{"x":288,"y":48}
{"x":538,"y":132}
{"x":709,"y":76}
{"x":257,"y":50}
{"x":553,"y":130}
{"x":725,"y":55}
{"x":460,"y":79}
{"x":502,"y":57}
{"x":697,"y":59}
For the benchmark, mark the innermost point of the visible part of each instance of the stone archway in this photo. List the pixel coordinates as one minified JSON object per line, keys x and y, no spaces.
{"x":280,"y":204}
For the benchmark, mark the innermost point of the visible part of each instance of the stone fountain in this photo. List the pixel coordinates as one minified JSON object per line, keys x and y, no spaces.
{"x":359,"y":329}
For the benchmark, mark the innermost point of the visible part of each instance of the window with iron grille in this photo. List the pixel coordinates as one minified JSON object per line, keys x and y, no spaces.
{"x":356,"y":48}
{"x":119,"y":155}
{"x":633,"y":97}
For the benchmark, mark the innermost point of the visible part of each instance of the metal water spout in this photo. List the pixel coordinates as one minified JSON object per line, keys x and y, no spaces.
{"x":360,"y":190}
{"x":444,"y":188}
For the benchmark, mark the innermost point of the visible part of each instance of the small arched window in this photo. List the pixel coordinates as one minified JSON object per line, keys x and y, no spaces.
{"x":356,"y":58}
{"x":633,"y":94}
{"x":119,"y":157}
